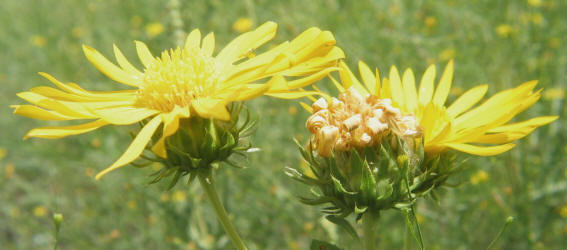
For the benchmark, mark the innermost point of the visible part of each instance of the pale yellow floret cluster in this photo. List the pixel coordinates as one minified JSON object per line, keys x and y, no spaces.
{"x":356,"y":121}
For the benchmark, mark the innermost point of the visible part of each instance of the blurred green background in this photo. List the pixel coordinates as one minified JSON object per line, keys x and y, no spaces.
{"x":502,"y":43}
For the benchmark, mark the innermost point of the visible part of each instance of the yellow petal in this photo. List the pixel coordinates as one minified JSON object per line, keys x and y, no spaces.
{"x":124,"y":63}
{"x":368,"y":78}
{"x":408,"y":83}
{"x":305,"y":81}
{"x":467,"y":100}
{"x":103,"y":95}
{"x":349,"y":80}
{"x":124,"y":115}
{"x":531,"y":123}
{"x":396,"y":87}
{"x":306,"y":107}
{"x":170,"y":126}
{"x":386,"y":91}
{"x":59,"y":132}
{"x":480,"y":150}
{"x":337,"y":84}
{"x":193,"y":40}
{"x":251,"y":91}
{"x":211,"y":108}
{"x":39,"y":113}
{"x":209,"y":44}
{"x":108,"y":68}
{"x":72,"y":109}
{"x":426,"y":87}
{"x":136,"y":147}
{"x":444,"y":85}
{"x":377,"y":89}
{"x":294,"y":94}
{"x":246,"y":43}
{"x":144,"y":54}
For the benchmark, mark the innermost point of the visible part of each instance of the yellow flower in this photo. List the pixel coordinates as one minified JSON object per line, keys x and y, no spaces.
{"x":504,"y":30}
{"x":535,"y":3}
{"x":154,"y":29}
{"x":242,"y":24}
{"x":479,"y":177}
{"x":430,"y":21}
{"x":38,"y":41}
{"x":178,"y":196}
{"x":39,"y":211}
{"x":9,"y":171}
{"x":182,"y":83}
{"x":458,"y":126}
{"x":3,"y":153}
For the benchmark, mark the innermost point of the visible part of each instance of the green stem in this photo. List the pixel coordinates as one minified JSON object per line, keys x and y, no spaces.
{"x":369,"y":221}
{"x":208,"y":184}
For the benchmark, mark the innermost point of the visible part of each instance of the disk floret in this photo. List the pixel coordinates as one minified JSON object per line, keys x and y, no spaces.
{"x":176,"y":78}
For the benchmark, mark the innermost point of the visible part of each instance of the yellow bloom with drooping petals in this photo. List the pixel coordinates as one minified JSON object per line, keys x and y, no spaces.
{"x":480,"y":130}
{"x":182,"y":83}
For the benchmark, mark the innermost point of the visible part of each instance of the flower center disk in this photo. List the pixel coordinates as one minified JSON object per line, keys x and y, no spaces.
{"x":176,"y":78}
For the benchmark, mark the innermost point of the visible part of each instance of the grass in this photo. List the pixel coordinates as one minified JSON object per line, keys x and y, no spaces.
{"x":502,"y":43}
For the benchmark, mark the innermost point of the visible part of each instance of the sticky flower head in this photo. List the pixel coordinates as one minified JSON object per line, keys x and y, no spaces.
{"x":182,"y":83}
{"x":356,"y":121}
{"x":479,"y":130}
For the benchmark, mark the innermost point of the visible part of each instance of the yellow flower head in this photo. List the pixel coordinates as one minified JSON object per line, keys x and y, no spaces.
{"x":182,"y":83}
{"x":480,"y":130}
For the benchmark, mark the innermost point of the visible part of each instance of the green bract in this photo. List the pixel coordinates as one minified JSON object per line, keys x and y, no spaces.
{"x":390,"y":175}
{"x":201,"y":144}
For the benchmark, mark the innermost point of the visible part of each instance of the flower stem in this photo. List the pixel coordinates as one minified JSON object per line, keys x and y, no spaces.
{"x":208,"y":184}
{"x":369,"y":221}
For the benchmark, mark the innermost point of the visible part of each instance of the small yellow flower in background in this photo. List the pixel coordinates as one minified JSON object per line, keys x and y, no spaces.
{"x":178,"y":196}
{"x":9,"y":170}
{"x":154,"y":29}
{"x":507,"y":190}
{"x":89,"y":172}
{"x":132,"y":204}
{"x":3,"y":153}
{"x":479,"y":177}
{"x":535,"y":3}
{"x":537,"y":19}
{"x":96,"y":143}
{"x":554,"y":94}
{"x":78,"y":32}
{"x":447,"y":54}
{"x":182,"y":83}
{"x":308,"y":226}
{"x":164,"y":197}
{"x":136,"y":21}
{"x":563,"y":211}
{"x":504,"y":30}
{"x":292,"y":110}
{"x":242,"y":24}
{"x":38,"y":41}
{"x":430,"y":22}
{"x":39,"y":211}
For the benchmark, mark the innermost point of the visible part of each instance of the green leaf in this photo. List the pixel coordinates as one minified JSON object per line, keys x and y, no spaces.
{"x":339,"y":187}
{"x":344,"y":224}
